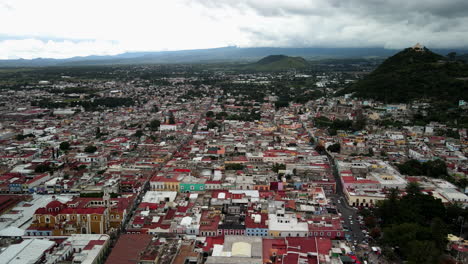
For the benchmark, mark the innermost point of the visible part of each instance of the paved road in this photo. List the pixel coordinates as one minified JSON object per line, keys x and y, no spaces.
{"x":348,"y":213}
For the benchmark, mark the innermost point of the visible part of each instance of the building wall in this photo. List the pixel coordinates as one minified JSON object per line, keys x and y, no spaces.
{"x":362,"y":200}
{"x":78,"y":223}
{"x":292,"y":233}
{"x":257,"y":231}
{"x":327,"y":233}
{"x":192,"y":187}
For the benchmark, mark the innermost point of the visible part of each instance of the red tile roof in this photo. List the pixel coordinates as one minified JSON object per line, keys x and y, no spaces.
{"x":93,"y":243}
{"x":128,"y":248}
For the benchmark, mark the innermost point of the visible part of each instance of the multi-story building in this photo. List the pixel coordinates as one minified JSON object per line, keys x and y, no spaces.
{"x":80,"y":216}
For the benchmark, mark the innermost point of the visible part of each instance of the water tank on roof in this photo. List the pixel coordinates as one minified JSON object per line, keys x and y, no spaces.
{"x":257,"y":219}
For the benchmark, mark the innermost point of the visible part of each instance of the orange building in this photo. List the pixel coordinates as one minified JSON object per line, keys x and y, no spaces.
{"x":80,"y":216}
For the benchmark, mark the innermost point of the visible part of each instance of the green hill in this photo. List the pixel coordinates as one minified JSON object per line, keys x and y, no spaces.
{"x":278,"y":63}
{"x":463,"y":57}
{"x":414,"y":75}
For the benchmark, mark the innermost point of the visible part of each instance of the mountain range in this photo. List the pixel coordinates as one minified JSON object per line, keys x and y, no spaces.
{"x":225,"y":54}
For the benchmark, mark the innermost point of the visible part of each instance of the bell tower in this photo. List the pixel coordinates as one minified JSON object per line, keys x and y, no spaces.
{"x":106,"y":197}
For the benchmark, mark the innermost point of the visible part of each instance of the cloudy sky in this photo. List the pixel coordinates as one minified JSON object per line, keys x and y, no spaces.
{"x":66,"y":28}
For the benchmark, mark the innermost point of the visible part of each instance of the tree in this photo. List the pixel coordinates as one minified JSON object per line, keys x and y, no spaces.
{"x":65,"y":146}
{"x":435,"y":168}
{"x":413,"y":188}
{"x":154,"y":124}
{"x":210,"y":114}
{"x":90,"y":149}
{"x":422,"y":252}
{"x":311,"y":140}
{"x":370,"y":221}
{"x":98,"y":132}
{"x":277,"y":167}
{"x":320,"y":149}
{"x":212,"y":125}
{"x":389,"y":253}
{"x":41,"y":168}
{"x":22,"y":137}
{"x":334,"y":148}
{"x":439,"y":233}
{"x":234,"y":166}
{"x":360,"y":122}
{"x":375,"y":232}
{"x":221,"y":115}
{"x":138,"y":133}
{"x":452,"y":55}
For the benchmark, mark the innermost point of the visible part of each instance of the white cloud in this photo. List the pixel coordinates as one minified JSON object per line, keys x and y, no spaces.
{"x":34,"y":48}
{"x":61,"y":28}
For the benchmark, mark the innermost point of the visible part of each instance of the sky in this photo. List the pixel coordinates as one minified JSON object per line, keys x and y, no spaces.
{"x":67,"y":28}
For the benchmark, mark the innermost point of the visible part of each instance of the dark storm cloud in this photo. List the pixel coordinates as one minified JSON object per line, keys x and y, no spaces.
{"x":389,"y":23}
{"x":439,"y":8}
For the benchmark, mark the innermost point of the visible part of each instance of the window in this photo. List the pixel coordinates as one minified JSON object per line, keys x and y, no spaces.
{"x":117,"y":216}
{"x":321,"y":233}
{"x":338,"y":233}
{"x":95,"y":217}
{"x":192,"y":187}
{"x":328,"y":233}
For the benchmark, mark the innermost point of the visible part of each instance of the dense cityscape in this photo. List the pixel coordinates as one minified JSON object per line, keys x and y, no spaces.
{"x":187,"y":163}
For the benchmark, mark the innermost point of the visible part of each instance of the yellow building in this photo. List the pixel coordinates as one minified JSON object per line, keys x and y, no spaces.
{"x":159,"y":183}
{"x":79,"y":216}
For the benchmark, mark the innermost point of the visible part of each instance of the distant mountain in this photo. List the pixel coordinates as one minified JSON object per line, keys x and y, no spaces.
{"x":225,"y":54}
{"x":412,"y":74}
{"x":277,"y":63}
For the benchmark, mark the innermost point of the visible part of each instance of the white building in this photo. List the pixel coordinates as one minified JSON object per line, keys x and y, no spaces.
{"x":283,"y":224}
{"x":167,"y":127}
{"x":28,"y":251}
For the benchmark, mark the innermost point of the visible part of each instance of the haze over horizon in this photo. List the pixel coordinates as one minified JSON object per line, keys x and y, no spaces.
{"x":63,"y":29}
